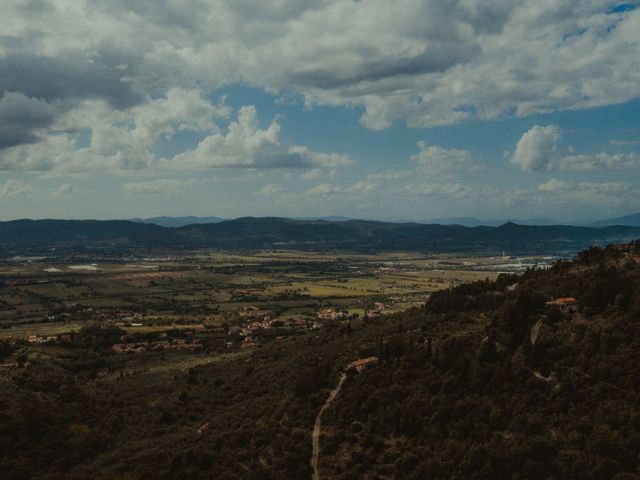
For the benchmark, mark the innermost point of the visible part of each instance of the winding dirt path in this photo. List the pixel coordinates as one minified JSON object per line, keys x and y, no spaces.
{"x":318,"y":426}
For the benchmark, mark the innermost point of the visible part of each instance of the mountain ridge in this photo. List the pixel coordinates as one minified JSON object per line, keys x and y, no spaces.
{"x":276,"y":232}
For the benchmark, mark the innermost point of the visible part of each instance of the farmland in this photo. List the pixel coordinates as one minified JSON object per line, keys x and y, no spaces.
{"x":49,"y":296}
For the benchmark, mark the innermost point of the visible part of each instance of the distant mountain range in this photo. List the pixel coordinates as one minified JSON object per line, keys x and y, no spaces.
{"x":629,"y":221}
{"x":174,"y":222}
{"x":281,"y":233}
{"x":476,"y":222}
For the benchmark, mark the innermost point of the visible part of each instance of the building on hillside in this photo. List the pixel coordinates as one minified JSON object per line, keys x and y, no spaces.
{"x":565,"y":304}
{"x":363,"y":363}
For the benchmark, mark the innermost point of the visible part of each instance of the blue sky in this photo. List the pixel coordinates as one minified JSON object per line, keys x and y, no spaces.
{"x":493,"y":109}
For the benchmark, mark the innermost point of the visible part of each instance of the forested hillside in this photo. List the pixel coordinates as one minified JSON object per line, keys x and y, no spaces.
{"x":485,"y":381}
{"x":496,"y":384}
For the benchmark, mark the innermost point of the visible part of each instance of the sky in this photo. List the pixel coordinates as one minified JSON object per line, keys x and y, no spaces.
{"x":405,"y":110}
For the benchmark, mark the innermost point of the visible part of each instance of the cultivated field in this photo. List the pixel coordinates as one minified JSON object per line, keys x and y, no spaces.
{"x":39,"y":296}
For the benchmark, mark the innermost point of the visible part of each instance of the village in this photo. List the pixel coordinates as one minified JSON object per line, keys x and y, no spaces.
{"x":211,"y":303}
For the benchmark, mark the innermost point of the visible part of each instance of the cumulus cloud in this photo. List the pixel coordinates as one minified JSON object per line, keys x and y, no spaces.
{"x":247,"y":146}
{"x":116,"y":140}
{"x":428,"y":62}
{"x":439,"y":159}
{"x":537,"y":148}
{"x":14,"y":188}
{"x":538,"y":151}
{"x":103,"y":86}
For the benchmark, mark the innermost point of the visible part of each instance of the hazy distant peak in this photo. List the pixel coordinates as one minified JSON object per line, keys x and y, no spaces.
{"x":628,"y":220}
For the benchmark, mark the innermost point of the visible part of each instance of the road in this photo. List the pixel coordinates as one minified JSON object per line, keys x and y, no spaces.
{"x":318,"y":427}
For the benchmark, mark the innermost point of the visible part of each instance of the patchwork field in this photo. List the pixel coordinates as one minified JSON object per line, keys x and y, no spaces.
{"x":39,"y":296}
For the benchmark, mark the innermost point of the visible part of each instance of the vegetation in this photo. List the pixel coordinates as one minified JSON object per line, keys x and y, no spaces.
{"x":494,"y":401}
{"x":484,"y":381}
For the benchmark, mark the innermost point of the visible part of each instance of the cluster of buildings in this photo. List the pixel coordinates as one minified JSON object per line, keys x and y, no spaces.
{"x":41,"y":339}
{"x":332,"y":314}
{"x":266,"y":326}
{"x":336,"y":314}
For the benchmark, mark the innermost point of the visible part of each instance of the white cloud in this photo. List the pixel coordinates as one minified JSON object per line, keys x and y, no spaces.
{"x":428,"y":62}
{"x":164,"y":186}
{"x":247,"y":146}
{"x":361,"y":187}
{"x":270,"y":190}
{"x":599,"y":161}
{"x":14,"y":188}
{"x":100,"y":87}
{"x":439,"y":159}
{"x":126,"y":141}
{"x":553,"y":185}
{"x":118,"y":141}
{"x":537,"y":148}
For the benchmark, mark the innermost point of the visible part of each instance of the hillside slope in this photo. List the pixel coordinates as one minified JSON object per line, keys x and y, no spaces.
{"x":498,"y":385}
{"x":460,"y":391}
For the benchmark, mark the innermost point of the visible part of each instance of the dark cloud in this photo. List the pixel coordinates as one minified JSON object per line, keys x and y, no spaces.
{"x":56,"y":79}
{"x":438,"y":58}
{"x":21,"y":117}
{"x":35,"y":89}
